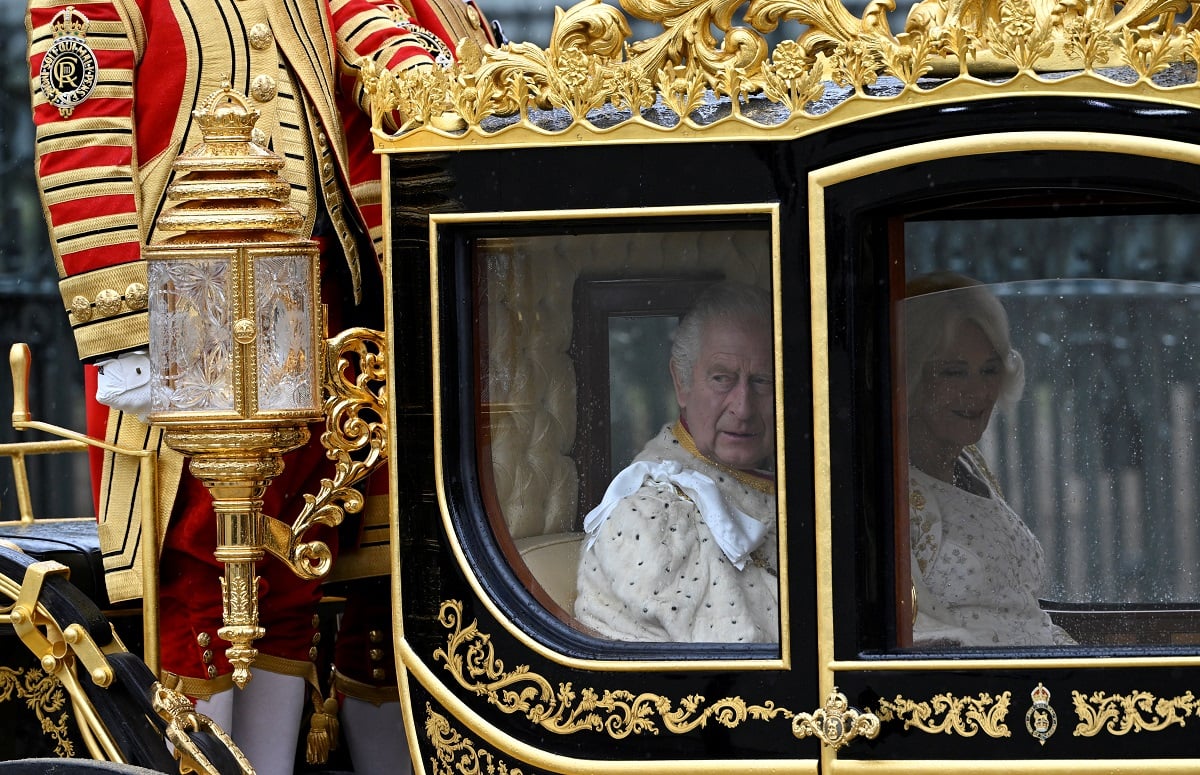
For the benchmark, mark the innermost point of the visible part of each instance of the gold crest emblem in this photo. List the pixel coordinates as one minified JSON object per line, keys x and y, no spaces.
{"x":68,"y":71}
{"x":1041,"y":720}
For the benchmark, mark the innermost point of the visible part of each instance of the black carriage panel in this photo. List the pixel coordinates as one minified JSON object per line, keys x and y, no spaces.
{"x":554,"y":304}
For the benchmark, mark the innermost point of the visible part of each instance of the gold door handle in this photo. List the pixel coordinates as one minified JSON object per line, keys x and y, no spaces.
{"x":837,"y":723}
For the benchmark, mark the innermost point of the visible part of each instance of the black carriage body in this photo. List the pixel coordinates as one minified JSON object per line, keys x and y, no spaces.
{"x":492,"y":672}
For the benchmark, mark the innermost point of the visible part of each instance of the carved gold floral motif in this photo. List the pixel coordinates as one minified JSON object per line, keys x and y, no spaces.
{"x":1138,"y":711}
{"x":701,"y":54}
{"x":45,"y":696}
{"x":945,"y":713}
{"x":470,"y":658}
{"x":457,"y":755}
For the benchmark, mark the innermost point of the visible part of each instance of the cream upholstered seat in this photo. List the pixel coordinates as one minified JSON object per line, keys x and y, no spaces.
{"x":554,"y":561}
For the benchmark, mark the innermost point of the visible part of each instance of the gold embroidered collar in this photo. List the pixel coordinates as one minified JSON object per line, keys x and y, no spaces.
{"x":758,"y":481}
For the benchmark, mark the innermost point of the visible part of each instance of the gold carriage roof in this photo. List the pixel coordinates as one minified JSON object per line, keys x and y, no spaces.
{"x":705,"y":78}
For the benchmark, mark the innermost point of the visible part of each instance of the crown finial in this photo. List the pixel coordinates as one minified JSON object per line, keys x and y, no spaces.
{"x":226,"y":116}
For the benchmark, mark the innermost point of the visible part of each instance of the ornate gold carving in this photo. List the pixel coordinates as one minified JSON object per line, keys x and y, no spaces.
{"x":45,"y":696}
{"x":470,"y":658}
{"x":601,"y":80}
{"x":355,"y":438}
{"x":181,"y":717}
{"x":945,"y":713}
{"x":457,"y":755}
{"x":1137,"y":711}
{"x":837,"y":723}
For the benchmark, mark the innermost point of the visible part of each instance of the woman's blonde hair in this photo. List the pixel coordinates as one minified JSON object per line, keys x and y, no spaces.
{"x":936,"y":307}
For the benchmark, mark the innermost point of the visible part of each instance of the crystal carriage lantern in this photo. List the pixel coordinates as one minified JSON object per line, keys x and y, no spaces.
{"x":234,"y":314}
{"x":235,"y":341}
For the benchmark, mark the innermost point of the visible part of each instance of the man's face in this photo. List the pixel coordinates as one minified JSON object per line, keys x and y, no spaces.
{"x":730,"y":403}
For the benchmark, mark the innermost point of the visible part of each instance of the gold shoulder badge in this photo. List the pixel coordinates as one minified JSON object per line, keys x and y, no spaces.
{"x":68,"y":72}
{"x":442,"y":56}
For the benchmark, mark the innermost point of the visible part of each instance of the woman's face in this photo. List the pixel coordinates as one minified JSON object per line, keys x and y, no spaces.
{"x":957,"y":392}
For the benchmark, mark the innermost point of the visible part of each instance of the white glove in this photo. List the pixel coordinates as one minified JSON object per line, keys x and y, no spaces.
{"x":123,"y":383}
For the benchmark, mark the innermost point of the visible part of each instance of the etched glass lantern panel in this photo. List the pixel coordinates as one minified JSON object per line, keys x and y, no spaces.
{"x":284,"y":340}
{"x":191,"y":335}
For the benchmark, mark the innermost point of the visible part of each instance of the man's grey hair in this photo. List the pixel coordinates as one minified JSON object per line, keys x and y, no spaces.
{"x":725,"y":301}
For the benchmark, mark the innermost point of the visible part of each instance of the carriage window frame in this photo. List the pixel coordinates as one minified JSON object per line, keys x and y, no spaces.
{"x":486,"y":555}
{"x":841,"y":226}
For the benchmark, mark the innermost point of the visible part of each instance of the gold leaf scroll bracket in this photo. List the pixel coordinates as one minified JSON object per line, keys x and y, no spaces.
{"x":355,"y":438}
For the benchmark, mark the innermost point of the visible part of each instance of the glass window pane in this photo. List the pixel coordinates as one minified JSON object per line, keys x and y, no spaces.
{"x":620,"y":494}
{"x":1050,"y":450}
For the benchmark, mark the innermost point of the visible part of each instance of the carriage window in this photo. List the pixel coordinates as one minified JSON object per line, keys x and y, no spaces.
{"x":612,"y":464}
{"x":1048,"y":375}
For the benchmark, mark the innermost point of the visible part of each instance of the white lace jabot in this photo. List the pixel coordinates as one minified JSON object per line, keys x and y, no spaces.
{"x":737,"y":533}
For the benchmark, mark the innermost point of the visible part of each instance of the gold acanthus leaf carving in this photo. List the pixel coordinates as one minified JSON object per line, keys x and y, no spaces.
{"x":470,"y":657}
{"x":45,"y":696}
{"x":945,"y":713}
{"x":704,"y":52}
{"x":458,"y":755}
{"x":355,"y":438}
{"x":1137,"y":711}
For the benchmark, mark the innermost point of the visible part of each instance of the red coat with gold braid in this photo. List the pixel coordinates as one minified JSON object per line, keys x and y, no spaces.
{"x":114,"y":84}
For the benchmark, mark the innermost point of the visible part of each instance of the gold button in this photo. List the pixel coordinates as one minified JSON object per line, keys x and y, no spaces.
{"x":312,"y":653}
{"x":136,"y":296}
{"x":259,"y":137}
{"x":316,"y":621}
{"x":376,"y":654}
{"x":108,"y":302}
{"x":207,"y":656}
{"x":261,"y":37}
{"x":378,"y":674}
{"x":322,"y":141}
{"x":316,"y":638}
{"x":212,"y":671}
{"x":203,"y":639}
{"x":473,"y":15}
{"x":81,"y":309}
{"x":263,"y":88}
{"x":375,"y":636}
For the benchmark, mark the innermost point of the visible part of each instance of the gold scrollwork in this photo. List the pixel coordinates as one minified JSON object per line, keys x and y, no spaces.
{"x":45,"y":696}
{"x":589,"y":63}
{"x":457,"y":755}
{"x":355,"y":438}
{"x":1137,"y":711}
{"x":945,"y":713}
{"x":471,"y":659}
{"x":837,"y":723}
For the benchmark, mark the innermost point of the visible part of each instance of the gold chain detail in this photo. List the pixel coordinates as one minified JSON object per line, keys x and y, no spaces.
{"x":945,"y":713}
{"x":471,"y":659}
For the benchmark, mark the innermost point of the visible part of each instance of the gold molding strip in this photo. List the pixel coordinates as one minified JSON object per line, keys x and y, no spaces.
{"x":686,"y":81}
{"x":471,"y":659}
{"x":947,"y":714}
{"x":45,"y":695}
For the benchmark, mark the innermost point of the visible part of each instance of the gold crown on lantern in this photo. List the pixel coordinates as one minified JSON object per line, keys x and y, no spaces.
{"x":226,"y":116}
